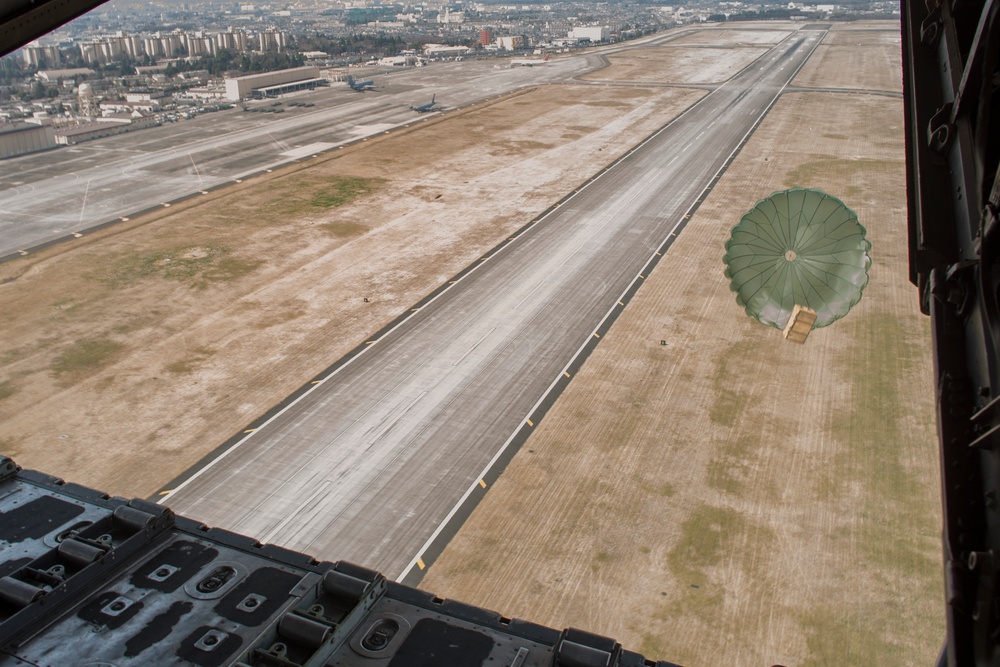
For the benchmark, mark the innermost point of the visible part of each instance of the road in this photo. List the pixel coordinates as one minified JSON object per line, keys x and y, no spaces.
{"x":371,"y":464}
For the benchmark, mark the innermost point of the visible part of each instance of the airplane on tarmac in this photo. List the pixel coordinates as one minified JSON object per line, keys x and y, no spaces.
{"x":360,"y":86}
{"x":530,"y":62}
{"x":430,"y":106}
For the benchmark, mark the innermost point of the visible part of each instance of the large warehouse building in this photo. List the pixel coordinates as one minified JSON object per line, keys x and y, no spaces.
{"x":272,"y":84}
{"x":21,"y":138}
{"x":593,"y":33}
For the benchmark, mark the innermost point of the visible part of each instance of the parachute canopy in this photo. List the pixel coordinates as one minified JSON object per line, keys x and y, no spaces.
{"x":798,"y":247}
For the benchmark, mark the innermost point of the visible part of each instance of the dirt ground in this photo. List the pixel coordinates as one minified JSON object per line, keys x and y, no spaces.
{"x":731,"y":498}
{"x":131,"y":353}
{"x":864,"y":59}
{"x":706,"y":56}
{"x":726,"y":499}
{"x":735,"y":37}
{"x":670,"y":64}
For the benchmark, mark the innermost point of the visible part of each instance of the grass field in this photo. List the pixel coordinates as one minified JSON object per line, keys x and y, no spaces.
{"x":131,"y":353}
{"x":731,"y":498}
{"x":726,"y":499}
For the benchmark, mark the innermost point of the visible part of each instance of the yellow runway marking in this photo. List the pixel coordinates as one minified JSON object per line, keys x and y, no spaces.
{"x":452,"y":282}
{"x":163,"y":493}
{"x":642,"y":276}
{"x":621,"y":304}
{"x":250,"y":430}
{"x":566,"y":373}
{"x":369,"y":342}
{"x":530,"y":423}
{"x":659,"y":254}
{"x":483,"y":259}
{"x":482,"y":483}
{"x":420,"y":563}
{"x":315,"y":382}
{"x":414,"y":310}
{"x":597,"y":335}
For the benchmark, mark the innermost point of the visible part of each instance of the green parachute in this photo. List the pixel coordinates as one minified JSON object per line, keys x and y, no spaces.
{"x":800,"y":247}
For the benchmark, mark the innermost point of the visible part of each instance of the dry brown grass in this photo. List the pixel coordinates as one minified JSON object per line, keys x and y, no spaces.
{"x":729,"y":498}
{"x":673,"y":64}
{"x":857,"y":59}
{"x":734,"y":36}
{"x":129,"y":354}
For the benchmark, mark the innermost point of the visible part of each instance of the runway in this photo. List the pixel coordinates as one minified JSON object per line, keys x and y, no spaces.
{"x":373,"y":463}
{"x":62,"y":193}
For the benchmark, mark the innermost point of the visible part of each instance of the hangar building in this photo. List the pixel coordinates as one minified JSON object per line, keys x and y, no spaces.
{"x":21,"y":138}
{"x":593,"y":33}
{"x":272,"y":84}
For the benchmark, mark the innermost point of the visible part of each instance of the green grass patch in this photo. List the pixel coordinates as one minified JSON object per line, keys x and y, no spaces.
{"x":341,"y":191}
{"x":84,"y":358}
{"x":728,"y":406}
{"x":343,"y":230}
{"x":828,"y":168}
{"x":196,"y":266}
{"x":526,"y":146}
{"x":731,"y":406}
{"x":868,"y":425}
{"x":739,"y":445}
{"x":105,"y":382}
{"x":704,"y":536}
{"x":282,"y":201}
{"x":7,"y":389}
{"x":189,"y":365}
{"x":135,"y":321}
{"x":837,"y":638}
{"x":727,"y":473}
{"x":712,"y":537}
{"x":896,"y":512}
{"x":654,"y":647}
{"x":14,"y":354}
{"x":227,"y":269}
{"x":180,"y":367}
{"x":600,"y":558}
